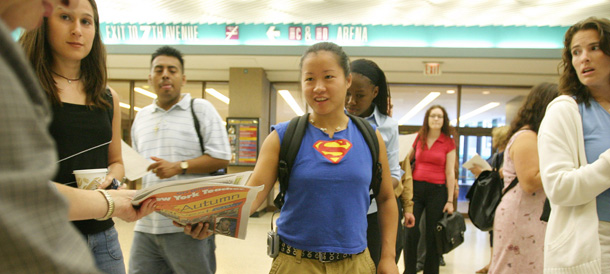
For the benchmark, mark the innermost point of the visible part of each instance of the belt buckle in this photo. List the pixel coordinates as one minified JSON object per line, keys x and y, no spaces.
{"x":320,"y":257}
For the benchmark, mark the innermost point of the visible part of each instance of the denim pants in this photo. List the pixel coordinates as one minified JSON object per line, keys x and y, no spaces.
{"x":432,"y":198}
{"x":107,"y":251}
{"x":171,"y":253}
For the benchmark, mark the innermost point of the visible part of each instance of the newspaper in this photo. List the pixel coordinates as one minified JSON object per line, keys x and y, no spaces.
{"x":478,"y":160}
{"x":222,"y":201}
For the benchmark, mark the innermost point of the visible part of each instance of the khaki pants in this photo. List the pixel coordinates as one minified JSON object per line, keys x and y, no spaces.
{"x":357,"y":264}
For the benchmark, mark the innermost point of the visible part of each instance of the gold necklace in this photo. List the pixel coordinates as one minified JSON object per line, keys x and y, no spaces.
{"x":323,"y":128}
{"x":69,"y":79}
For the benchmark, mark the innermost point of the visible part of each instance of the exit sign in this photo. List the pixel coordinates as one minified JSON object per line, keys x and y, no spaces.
{"x":432,"y":68}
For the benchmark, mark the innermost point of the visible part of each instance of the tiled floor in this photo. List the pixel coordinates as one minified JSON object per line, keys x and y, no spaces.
{"x":249,"y":256}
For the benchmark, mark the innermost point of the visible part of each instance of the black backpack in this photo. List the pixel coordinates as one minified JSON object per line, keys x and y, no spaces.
{"x":292,"y":142}
{"x":485,"y":194}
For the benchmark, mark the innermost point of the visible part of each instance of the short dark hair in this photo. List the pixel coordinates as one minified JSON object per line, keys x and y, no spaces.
{"x":569,"y":83}
{"x":168,"y":51}
{"x":342,"y":58}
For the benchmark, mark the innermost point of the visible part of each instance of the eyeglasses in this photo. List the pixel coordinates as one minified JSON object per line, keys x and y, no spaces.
{"x":435,"y":116}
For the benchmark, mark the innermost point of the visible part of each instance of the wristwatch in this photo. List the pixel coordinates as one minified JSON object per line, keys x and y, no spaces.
{"x":184,"y":165}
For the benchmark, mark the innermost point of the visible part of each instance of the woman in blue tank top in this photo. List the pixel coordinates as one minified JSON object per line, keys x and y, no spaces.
{"x":323,"y":220}
{"x":70,"y":62}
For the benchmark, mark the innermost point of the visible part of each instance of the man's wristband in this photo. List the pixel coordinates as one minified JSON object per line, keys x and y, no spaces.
{"x":110,"y":202}
{"x":450,"y":202}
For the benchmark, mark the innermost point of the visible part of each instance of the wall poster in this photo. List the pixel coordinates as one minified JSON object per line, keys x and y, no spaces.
{"x":243,"y":138}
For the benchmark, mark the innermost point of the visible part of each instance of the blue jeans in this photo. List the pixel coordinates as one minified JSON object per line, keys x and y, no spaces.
{"x":171,"y":253}
{"x":107,"y":251}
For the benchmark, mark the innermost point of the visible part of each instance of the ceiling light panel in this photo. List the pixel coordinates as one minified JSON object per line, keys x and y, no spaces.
{"x":387,"y":12}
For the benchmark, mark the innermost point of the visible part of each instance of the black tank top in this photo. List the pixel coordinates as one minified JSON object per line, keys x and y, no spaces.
{"x":76,"y":128}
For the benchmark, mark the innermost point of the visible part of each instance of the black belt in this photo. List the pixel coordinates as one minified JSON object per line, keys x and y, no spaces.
{"x":325,"y":257}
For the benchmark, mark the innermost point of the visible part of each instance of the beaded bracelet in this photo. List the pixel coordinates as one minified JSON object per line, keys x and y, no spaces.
{"x":110,"y":202}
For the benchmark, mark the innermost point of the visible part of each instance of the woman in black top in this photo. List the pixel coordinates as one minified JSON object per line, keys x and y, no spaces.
{"x":70,"y":62}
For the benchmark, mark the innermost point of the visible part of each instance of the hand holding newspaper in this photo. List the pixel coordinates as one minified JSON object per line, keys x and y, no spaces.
{"x":476,"y":159}
{"x":223,"y":201}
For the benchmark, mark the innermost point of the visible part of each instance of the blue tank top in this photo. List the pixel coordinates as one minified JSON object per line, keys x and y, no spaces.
{"x":328,"y":195}
{"x":596,"y":129}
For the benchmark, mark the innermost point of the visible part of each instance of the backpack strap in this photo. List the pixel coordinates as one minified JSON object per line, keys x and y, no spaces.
{"x":371,"y":140}
{"x":291,"y":144}
{"x":495,"y":162}
{"x":289,"y":149}
{"x":197,"y":126}
{"x":512,"y":184}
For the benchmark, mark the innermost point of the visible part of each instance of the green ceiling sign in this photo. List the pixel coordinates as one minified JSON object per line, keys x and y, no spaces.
{"x":345,"y":35}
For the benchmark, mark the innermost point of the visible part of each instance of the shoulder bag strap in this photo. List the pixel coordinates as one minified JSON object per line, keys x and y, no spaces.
{"x":197,"y":126}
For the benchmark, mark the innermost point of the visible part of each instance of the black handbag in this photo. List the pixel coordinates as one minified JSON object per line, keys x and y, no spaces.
{"x":449,"y":232}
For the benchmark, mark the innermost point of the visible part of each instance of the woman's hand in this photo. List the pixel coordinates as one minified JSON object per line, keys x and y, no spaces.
{"x":409,"y":220}
{"x":476,"y":170}
{"x":387,"y":265}
{"x":448,"y":207}
{"x":125,"y":210}
{"x":107,"y":181}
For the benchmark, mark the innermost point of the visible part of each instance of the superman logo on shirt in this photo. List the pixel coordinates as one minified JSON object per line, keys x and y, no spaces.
{"x":333,"y":150}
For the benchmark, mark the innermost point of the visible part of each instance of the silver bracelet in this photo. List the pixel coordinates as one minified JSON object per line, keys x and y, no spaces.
{"x":110,"y":202}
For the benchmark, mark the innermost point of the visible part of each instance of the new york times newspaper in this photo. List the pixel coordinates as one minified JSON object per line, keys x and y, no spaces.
{"x":223,"y":201}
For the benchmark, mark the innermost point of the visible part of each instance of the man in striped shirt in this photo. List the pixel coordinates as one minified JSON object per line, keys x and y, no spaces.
{"x":165,"y":132}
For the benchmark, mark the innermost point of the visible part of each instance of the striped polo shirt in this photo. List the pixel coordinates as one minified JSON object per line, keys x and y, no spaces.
{"x":170,"y":135}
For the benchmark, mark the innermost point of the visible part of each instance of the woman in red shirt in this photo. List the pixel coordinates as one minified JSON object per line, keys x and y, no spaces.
{"x":433,"y":184}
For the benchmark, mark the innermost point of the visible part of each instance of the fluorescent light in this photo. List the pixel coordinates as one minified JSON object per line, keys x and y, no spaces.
{"x":123,"y":105}
{"x":476,"y":112}
{"x":145,"y":92}
{"x":529,"y":45}
{"x":291,"y":102}
{"x":462,"y":44}
{"x":417,"y":108}
{"x":218,"y":95}
{"x":450,"y":91}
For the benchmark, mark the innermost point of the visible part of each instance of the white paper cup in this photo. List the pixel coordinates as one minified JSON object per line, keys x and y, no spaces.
{"x":90,"y":178}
